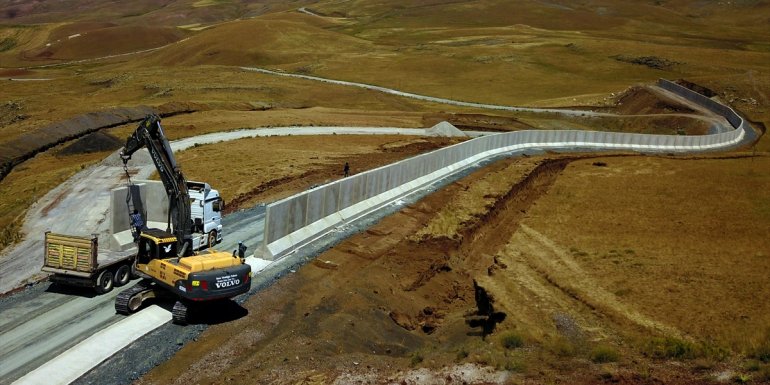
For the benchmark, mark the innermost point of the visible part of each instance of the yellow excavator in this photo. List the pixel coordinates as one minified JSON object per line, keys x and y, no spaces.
{"x":165,"y":258}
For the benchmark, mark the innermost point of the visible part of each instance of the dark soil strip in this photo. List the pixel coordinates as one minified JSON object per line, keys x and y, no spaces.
{"x":236,"y":203}
{"x":30,"y":144}
{"x":495,"y":227}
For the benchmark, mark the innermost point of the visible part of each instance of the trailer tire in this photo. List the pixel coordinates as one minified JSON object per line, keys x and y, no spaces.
{"x":122,"y":275}
{"x":104,"y":282}
{"x":212,"y":238}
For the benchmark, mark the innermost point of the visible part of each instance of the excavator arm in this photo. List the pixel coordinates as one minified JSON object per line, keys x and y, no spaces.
{"x":150,"y":134}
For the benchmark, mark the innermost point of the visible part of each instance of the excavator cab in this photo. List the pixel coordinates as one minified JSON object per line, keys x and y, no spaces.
{"x":155,"y":244}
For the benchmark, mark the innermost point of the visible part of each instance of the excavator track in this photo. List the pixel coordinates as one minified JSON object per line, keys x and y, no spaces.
{"x":179,"y":313}
{"x":124,"y":303}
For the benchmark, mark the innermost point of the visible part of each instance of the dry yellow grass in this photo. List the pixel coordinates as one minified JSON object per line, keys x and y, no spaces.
{"x":682,"y":242}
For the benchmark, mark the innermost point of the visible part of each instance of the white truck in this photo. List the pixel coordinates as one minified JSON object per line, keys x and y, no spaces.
{"x":206,"y":207}
{"x":81,"y":261}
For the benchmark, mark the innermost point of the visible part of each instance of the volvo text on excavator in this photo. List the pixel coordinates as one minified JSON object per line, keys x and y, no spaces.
{"x":165,"y":258}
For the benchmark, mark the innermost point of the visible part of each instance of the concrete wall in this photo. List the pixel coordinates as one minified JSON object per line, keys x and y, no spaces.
{"x":297,"y":220}
{"x":149,"y":197}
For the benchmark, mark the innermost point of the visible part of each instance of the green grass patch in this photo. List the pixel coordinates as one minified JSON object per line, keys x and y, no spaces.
{"x":562,"y":347}
{"x":674,"y":348}
{"x":669,"y":347}
{"x":603,"y":353}
{"x":511,"y":340}
{"x":761,"y":348}
{"x":752,"y":366}
{"x":416,"y":359}
{"x":7,"y":44}
{"x":513,"y":365}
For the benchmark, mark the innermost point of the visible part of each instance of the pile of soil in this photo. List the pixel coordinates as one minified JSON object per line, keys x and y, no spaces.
{"x":653,"y":62}
{"x":639,"y":100}
{"x":94,"y":142}
{"x":476,"y":122}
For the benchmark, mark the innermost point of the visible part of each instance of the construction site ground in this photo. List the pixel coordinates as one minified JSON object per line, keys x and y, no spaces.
{"x":572,"y":267}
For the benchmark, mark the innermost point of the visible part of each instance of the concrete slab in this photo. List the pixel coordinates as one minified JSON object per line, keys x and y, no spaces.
{"x":257,"y":264}
{"x":75,"y":362}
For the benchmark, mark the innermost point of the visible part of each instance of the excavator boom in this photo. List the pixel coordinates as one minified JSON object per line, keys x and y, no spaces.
{"x":166,"y":258}
{"x":150,"y":134}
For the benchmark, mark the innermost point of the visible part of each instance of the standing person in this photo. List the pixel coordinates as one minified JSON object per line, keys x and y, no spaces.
{"x":137,"y":222}
{"x":347,"y":169}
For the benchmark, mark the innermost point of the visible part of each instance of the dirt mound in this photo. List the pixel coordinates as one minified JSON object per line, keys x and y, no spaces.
{"x":444,"y":129}
{"x":696,"y":87}
{"x":653,"y":62}
{"x":640,"y":100}
{"x":28,"y":145}
{"x":476,"y":122}
{"x":95,"y":142}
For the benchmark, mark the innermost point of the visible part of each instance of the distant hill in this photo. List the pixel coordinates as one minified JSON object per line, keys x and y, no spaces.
{"x":166,"y":12}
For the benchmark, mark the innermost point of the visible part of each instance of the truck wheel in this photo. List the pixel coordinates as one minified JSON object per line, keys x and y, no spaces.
{"x":122,"y":275}
{"x":134,"y":271}
{"x":104,"y":282}
{"x":212,"y":238}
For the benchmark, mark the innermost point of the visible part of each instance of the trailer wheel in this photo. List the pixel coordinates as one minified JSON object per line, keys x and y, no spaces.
{"x":122,"y":275}
{"x":212,"y":238}
{"x":104,"y":282}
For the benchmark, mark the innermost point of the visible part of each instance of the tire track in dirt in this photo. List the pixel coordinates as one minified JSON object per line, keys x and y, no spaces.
{"x":547,"y":266}
{"x":554,"y":264}
{"x":497,"y":229}
{"x":469,"y":257}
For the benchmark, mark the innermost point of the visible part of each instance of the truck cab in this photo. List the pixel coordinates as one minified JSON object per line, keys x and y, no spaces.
{"x":206,"y":207}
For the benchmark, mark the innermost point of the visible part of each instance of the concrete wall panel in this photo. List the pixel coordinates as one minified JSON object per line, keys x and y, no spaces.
{"x":288,"y":219}
{"x":316,"y":204}
{"x":278,"y":217}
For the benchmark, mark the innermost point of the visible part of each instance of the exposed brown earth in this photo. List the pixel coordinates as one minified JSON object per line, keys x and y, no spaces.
{"x":389,"y":298}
